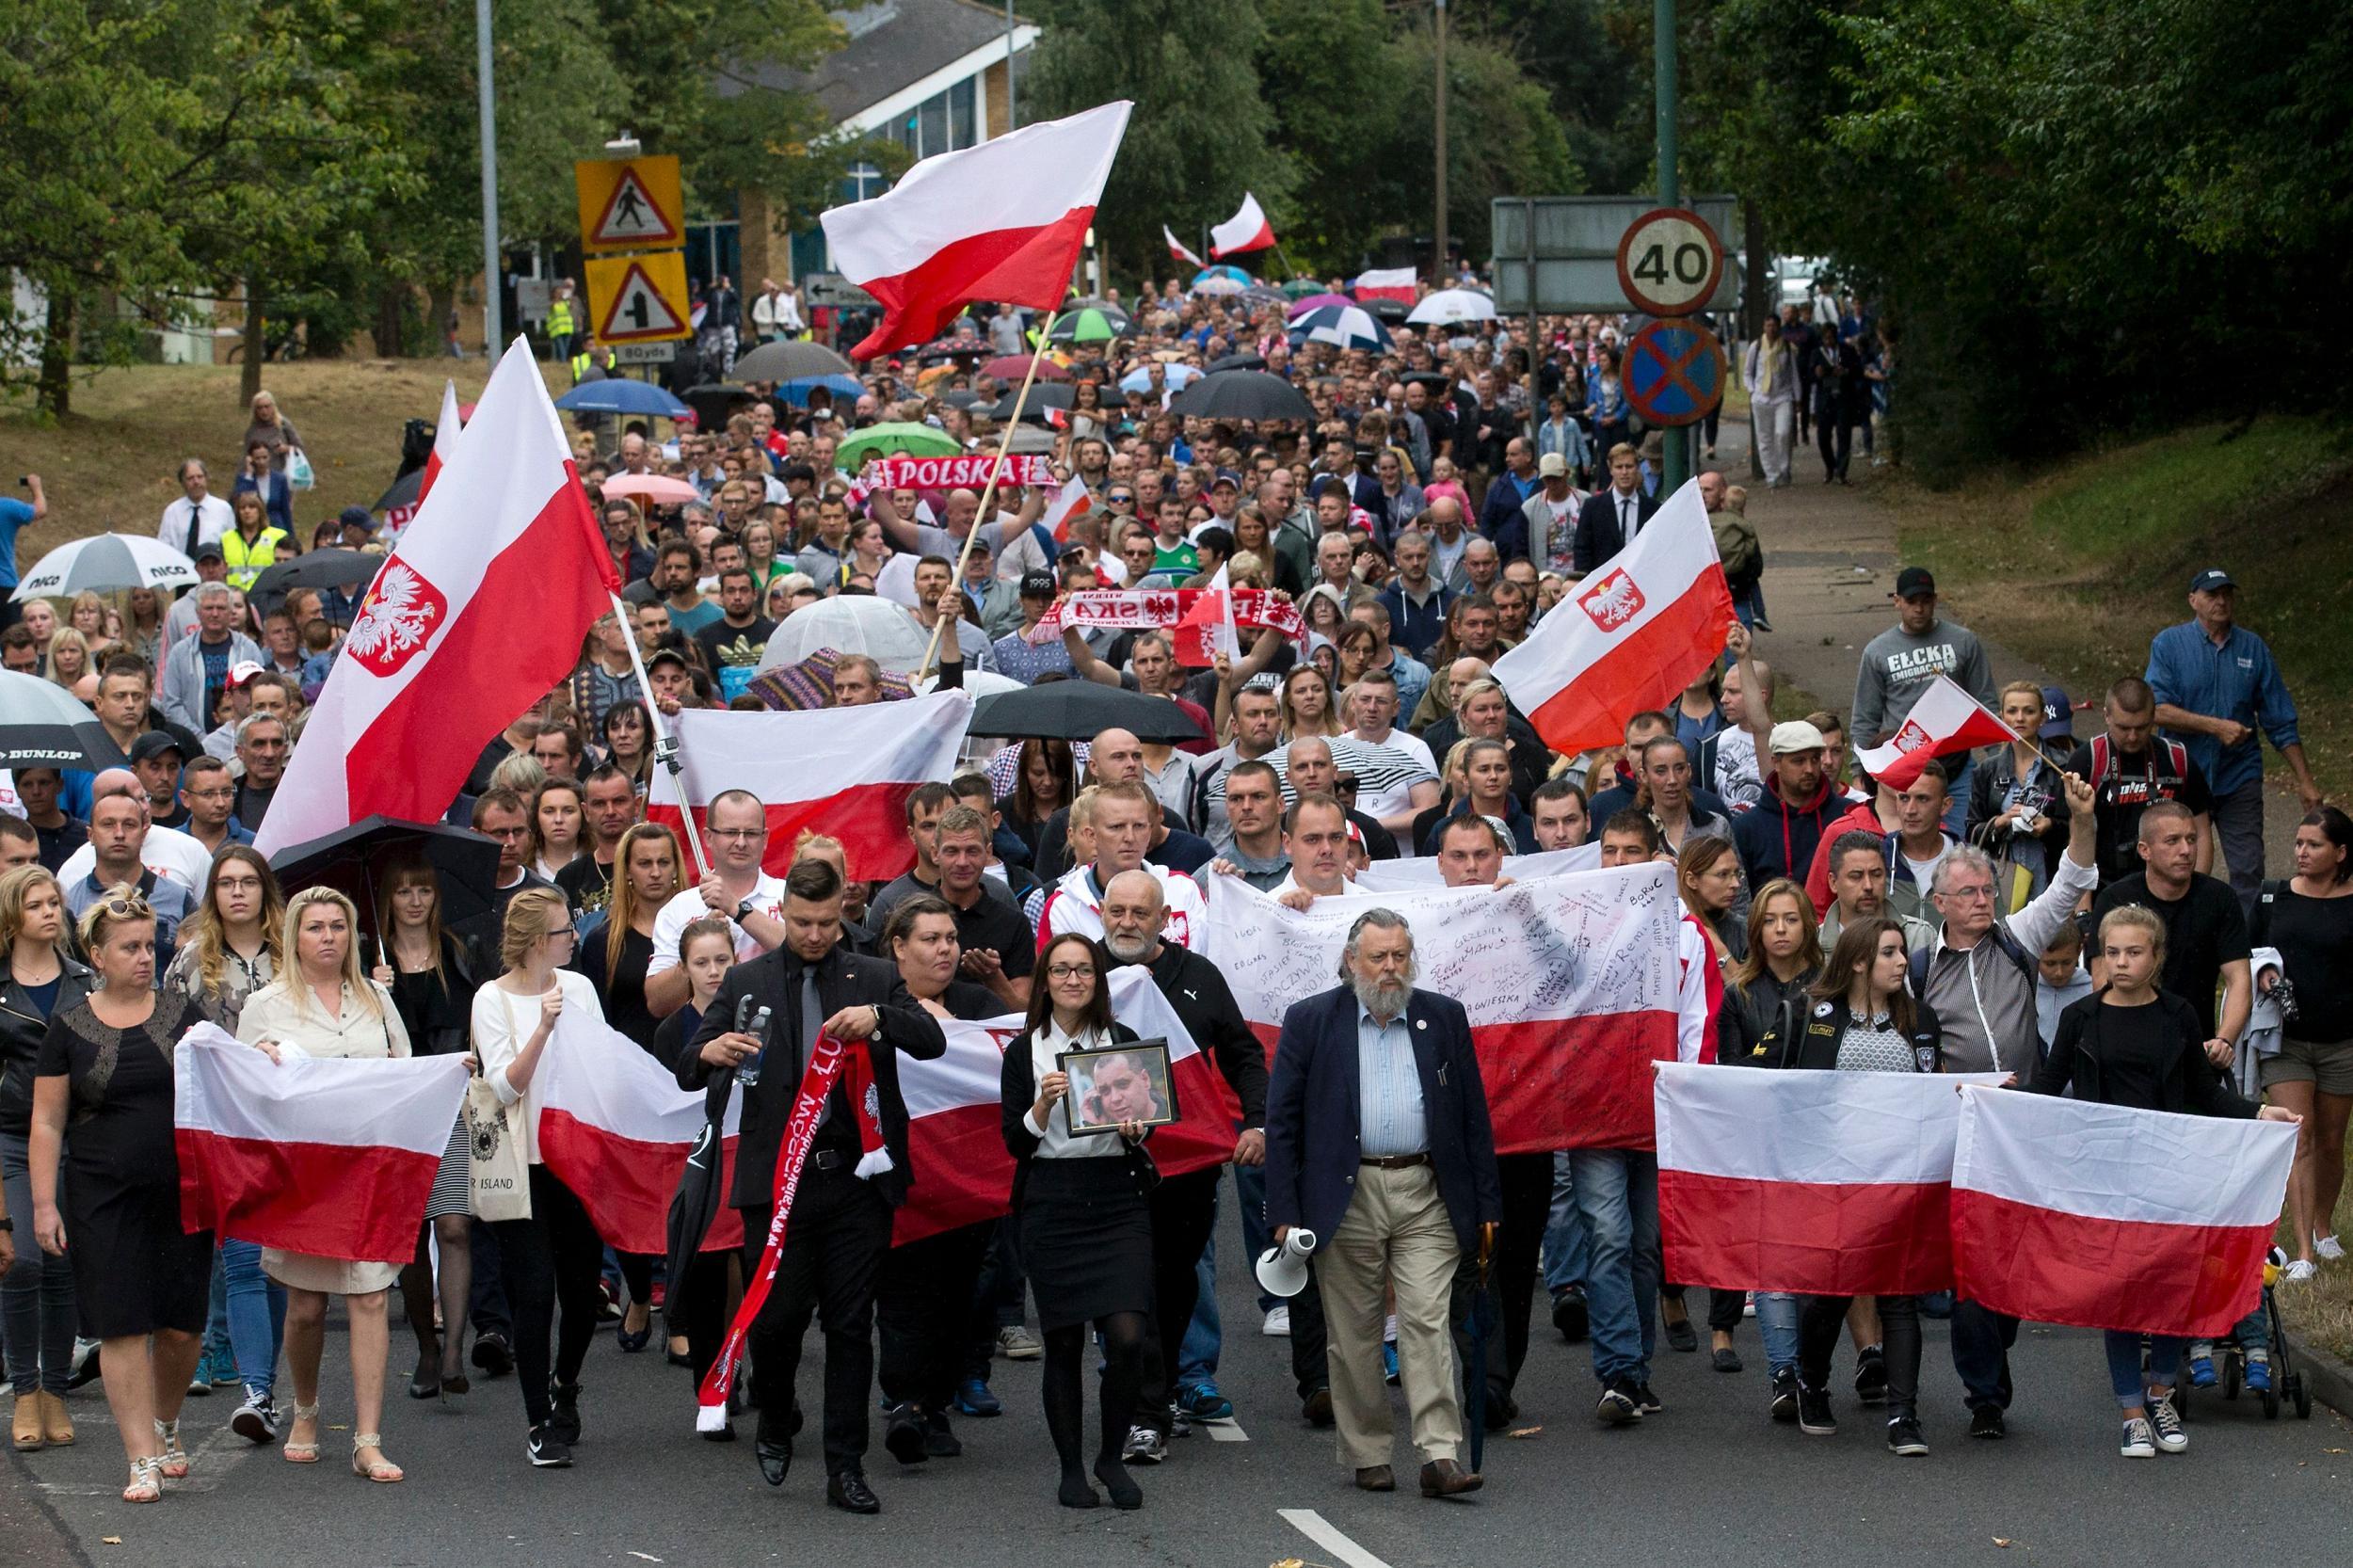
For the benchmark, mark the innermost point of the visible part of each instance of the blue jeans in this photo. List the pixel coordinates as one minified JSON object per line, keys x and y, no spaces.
{"x":1617,"y":1206}
{"x":1777,"y":1325}
{"x":256,"y":1313}
{"x":37,"y":1313}
{"x":1565,"y":1237}
{"x":2165,"y":1359}
{"x":1205,"y":1337}
{"x":2239,"y":831}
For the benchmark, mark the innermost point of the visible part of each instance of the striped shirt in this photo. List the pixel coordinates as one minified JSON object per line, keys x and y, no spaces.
{"x":1390,"y":1118}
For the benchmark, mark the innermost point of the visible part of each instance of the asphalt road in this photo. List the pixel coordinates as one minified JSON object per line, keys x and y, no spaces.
{"x":1710,"y":1480}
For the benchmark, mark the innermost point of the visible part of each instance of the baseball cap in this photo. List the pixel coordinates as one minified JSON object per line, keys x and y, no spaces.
{"x":241,"y":672}
{"x":1552,"y":466}
{"x":1792,"y":735}
{"x":151,"y":744}
{"x":1226,"y":476}
{"x":1912,"y":582}
{"x":2212,"y":580}
{"x":668,"y":655}
{"x":2058,"y":716}
{"x":210,"y":550}
{"x":1037,"y":584}
{"x":356,"y":517}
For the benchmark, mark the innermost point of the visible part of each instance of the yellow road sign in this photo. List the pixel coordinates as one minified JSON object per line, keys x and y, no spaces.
{"x":639,"y":298}
{"x":628,"y":203}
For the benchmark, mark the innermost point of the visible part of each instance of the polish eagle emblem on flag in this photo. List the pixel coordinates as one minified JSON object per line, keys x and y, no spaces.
{"x":395,"y":621}
{"x":1612,"y":601}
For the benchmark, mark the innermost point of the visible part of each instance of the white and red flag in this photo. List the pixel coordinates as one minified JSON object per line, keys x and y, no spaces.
{"x":1176,"y":249}
{"x":1005,"y":220}
{"x":846,"y":772}
{"x":1572,"y":985}
{"x":1207,"y":628}
{"x":1945,"y":719}
{"x":617,"y":1129}
{"x":1822,"y":1183}
{"x":333,"y":1159}
{"x":1389,"y":283}
{"x":2101,"y":1216}
{"x":1073,"y":501}
{"x":1629,"y":637}
{"x":1247,"y":230}
{"x":445,"y":431}
{"x":477,"y":615}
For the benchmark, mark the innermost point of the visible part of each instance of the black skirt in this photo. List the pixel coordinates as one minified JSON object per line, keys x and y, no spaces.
{"x":135,"y":1270}
{"x":1086,"y":1240}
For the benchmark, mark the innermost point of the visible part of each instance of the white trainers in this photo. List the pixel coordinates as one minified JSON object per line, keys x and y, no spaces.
{"x":1015,"y":1344}
{"x":2167,"y":1423}
{"x":2299,"y":1273}
{"x":1278,"y":1322}
{"x":2328,"y":1247}
{"x":2140,"y":1442}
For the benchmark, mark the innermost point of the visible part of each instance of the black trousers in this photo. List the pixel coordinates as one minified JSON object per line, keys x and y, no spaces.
{"x":1822,"y":1319}
{"x":1526,"y":1205}
{"x":923,"y":1305}
{"x":1834,"y":436}
{"x":554,"y":1259}
{"x":1184,"y":1212}
{"x":487,"y":1307}
{"x":833,"y":1252}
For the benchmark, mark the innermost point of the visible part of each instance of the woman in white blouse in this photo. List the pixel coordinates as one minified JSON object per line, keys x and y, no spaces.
{"x":1082,"y":1207}
{"x":325,"y":1007}
{"x":556,"y":1255}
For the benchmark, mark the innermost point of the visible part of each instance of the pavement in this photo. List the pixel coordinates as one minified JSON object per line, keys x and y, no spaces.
{"x":1709,"y":1480}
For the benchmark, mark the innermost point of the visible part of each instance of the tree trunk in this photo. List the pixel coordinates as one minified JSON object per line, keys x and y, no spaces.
{"x":256,"y":344}
{"x":56,"y":398}
{"x":388,"y":302}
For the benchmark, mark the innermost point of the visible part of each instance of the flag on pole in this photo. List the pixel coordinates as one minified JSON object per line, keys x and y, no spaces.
{"x":846,"y":772}
{"x":478,"y":613}
{"x":1392,"y":283}
{"x":2102,"y":1216}
{"x":1206,"y":628}
{"x":1003,"y":220}
{"x":1945,"y":719}
{"x":1177,"y":250}
{"x":1074,"y":500}
{"x":333,"y":1159}
{"x":1629,"y":637}
{"x":1247,"y":230}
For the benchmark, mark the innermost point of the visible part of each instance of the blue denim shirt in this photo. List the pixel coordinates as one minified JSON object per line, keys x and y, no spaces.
{"x":2237,"y":680}
{"x":1391,"y":1119}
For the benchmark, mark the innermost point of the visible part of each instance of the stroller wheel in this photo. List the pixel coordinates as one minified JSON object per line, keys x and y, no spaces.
{"x":2230,"y":1371}
{"x":2271,"y":1405}
{"x":2303,"y":1398}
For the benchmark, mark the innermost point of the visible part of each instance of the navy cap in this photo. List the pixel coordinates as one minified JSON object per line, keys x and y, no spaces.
{"x":2058,"y":716}
{"x":1226,"y":476}
{"x":2212,"y":580}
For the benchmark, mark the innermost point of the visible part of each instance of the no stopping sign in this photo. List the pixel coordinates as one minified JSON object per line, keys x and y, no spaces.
{"x":1670,"y":262}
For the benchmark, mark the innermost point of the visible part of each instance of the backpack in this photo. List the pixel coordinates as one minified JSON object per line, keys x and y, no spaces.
{"x":2103,"y":759}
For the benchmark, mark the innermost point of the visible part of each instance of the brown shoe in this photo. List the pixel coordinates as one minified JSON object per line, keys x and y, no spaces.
{"x":1317,"y":1408}
{"x":1376,"y":1478}
{"x":56,"y":1427}
{"x":1444,"y":1478}
{"x":25,"y":1429}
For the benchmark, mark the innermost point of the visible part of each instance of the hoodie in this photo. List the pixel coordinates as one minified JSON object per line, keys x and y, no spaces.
{"x":1778,"y":838}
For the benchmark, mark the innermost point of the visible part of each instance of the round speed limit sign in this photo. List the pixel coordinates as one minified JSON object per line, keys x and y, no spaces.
{"x":1670,"y":262}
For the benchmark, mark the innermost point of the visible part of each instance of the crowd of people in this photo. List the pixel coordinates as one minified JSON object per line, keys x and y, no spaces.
{"x":2045,"y":910}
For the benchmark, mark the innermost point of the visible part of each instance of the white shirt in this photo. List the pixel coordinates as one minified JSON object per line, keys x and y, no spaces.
{"x":503,"y":1021}
{"x":1290,"y":885}
{"x":1054,"y":1141}
{"x":685,"y":908}
{"x":213,"y":520}
{"x":1075,"y":906}
{"x":167,"y":852}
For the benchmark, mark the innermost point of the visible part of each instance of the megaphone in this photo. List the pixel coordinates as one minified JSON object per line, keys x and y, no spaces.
{"x":1283,"y":1270}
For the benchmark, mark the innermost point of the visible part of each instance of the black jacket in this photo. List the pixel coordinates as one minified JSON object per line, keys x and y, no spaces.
{"x":1598,"y":534}
{"x":22,"y":1031}
{"x":1017,"y":1092}
{"x":2188,"y":1084}
{"x":1824,"y":1025}
{"x":843,"y":980}
{"x":1196,"y":989}
{"x":1760,"y":1012}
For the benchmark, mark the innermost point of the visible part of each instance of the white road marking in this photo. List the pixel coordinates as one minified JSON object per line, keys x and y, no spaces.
{"x":1226,"y":1430}
{"x":1319,"y":1530}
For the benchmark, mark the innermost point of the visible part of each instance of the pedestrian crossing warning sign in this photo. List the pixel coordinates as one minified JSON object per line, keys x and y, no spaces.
{"x":639,"y":298}
{"x":629,"y":204}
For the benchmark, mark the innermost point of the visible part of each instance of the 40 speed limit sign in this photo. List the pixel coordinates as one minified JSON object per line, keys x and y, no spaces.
{"x":1670,"y":262}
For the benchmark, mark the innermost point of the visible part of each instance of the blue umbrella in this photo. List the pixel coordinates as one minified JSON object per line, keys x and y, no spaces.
{"x":1343,"y":325}
{"x":1177,"y":379}
{"x":617,"y":395}
{"x":1220,"y":280}
{"x":796,"y":391}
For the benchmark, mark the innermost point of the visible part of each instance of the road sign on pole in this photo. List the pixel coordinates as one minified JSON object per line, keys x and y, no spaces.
{"x":1674,"y":372}
{"x":1670,"y":262}
{"x":639,"y":298}
{"x":628,"y":203}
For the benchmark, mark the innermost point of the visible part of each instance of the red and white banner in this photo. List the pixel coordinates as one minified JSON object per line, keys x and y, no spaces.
{"x":1826,"y":1184}
{"x":1247,"y":230}
{"x":1141,"y":609}
{"x":1423,"y":871}
{"x":617,"y":1129}
{"x":1630,"y":636}
{"x":1209,"y":627}
{"x":1388,"y":283}
{"x":477,"y":615}
{"x":1073,"y":501}
{"x":1571,"y":983}
{"x":1177,"y":250}
{"x":333,"y":1159}
{"x":2105,"y":1217}
{"x":1003,"y":220}
{"x":846,"y":772}
{"x":955,"y":1133}
{"x":968,"y":472}
{"x":1945,"y":719}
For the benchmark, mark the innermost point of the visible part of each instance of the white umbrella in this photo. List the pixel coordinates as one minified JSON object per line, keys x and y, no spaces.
{"x":1449,"y":305}
{"x":103,"y":563}
{"x":886,"y":632}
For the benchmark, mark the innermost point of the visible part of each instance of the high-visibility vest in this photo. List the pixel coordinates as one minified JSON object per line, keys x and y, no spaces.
{"x":247,"y":561}
{"x":560,"y":319}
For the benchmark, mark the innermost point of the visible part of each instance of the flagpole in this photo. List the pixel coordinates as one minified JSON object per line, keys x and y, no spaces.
{"x":665,"y":746}
{"x":988,"y":492}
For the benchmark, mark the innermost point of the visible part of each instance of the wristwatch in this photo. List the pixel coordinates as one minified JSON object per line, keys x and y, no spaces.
{"x":741,"y":909}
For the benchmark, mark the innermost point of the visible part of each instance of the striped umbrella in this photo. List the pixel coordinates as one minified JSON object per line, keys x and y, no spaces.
{"x":1341,"y":326}
{"x":1093,"y":325}
{"x":103,"y":563}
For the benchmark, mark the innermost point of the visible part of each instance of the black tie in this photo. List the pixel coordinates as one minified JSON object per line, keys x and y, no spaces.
{"x":1626,"y":518}
{"x":195,"y":522}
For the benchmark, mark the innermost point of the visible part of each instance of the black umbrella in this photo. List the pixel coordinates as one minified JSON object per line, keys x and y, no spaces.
{"x":1484,"y":1315}
{"x":1043,"y":395}
{"x":1438,"y":382}
{"x":403,"y":493}
{"x":1236,"y":361}
{"x":1080,"y":711}
{"x":791,"y":361}
{"x":695,"y":1204}
{"x":320,"y":568}
{"x":43,"y":726}
{"x":1251,"y":394}
{"x":349,"y":860}
{"x":714,"y":401}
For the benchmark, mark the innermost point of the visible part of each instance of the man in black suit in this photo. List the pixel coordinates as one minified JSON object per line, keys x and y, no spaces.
{"x":841,"y":1224}
{"x":1612,"y":516}
{"x":1378,"y":1143}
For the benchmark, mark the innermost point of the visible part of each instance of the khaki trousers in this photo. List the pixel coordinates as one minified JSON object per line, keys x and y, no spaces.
{"x":1395,"y":1234}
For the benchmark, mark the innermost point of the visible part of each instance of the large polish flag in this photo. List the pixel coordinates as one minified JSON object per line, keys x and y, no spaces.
{"x":615,"y":1127}
{"x":333,"y":1159}
{"x":1629,"y":637}
{"x":2102,"y":1216}
{"x":955,"y":1131}
{"x":1003,"y":220}
{"x":1572,"y":985}
{"x":1945,"y":719}
{"x":1247,"y":230}
{"x":1387,"y":284}
{"x":1826,"y":1184}
{"x":477,"y":615}
{"x":846,"y":772}
{"x":1176,"y":247}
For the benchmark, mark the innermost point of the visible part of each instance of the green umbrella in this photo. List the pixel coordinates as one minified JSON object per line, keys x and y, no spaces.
{"x":915,"y":441}
{"x":1300,"y":288}
{"x":1088,"y":325}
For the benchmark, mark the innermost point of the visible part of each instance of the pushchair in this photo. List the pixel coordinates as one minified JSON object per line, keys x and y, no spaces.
{"x":2287,"y":1383}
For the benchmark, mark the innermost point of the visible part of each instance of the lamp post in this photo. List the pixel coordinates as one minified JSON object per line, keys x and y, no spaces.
{"x":494,"y":329}
{"x":1438,"y":243}
{"x":1678,"y":438}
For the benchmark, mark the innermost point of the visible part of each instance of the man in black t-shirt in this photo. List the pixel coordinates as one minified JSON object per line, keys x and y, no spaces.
{"x":737,"y":638}
{"x":2129,"y":766}
{"x":999,"y":947}
{"x":2205,"y":931}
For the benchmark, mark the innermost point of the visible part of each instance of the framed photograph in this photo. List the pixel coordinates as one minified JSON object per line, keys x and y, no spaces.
{"x":1122,"y":1084}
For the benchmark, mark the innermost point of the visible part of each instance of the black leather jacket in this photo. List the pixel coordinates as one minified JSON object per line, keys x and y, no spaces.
{"x":22,"y":1031}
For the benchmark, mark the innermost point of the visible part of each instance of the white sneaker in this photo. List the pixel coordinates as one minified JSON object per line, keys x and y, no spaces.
{"x":2328,"y":1247}
{"x":1278,"y":1322}
{"x":2140,"y":1442}
{"x":2167,"y":1423}
{"x":1015,"y":1344}
{"x":2299,"y":1273}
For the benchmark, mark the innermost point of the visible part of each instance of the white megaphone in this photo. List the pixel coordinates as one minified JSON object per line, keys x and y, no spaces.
{"x":1283,"y":1270}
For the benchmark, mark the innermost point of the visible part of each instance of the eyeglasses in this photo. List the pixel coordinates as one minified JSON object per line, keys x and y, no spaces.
{"x":1070,"y":972}
{"x":138,"y":909}
{"x":1121,"y":500}
{"x":1983,"y":890}
{"x":742,"y":835}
